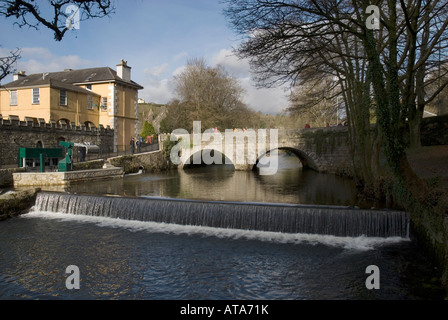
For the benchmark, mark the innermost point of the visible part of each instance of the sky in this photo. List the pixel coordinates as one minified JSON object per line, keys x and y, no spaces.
{"x":155,"y":37}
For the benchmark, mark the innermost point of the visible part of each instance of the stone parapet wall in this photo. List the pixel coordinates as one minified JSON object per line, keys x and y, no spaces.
{"x":27,"y":133}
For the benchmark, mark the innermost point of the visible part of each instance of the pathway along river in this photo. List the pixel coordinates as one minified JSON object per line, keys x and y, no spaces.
{"x":125,"y":259}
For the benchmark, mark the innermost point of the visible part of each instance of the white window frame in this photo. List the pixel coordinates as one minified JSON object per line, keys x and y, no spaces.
{"x":61,"y":96}
{"x":36,"y":101}
{"x":89,"y":102}
{"x":13,"y":98}
{"x":104,"y":103}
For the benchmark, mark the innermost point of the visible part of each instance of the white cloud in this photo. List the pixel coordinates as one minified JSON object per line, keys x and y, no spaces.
{"x":235,"y":66}
{"x":156,"y":71}
{"x":179,"y":70}
{"x":36,"y":60}
{"x":181,"y":55}
{"x":157,"y":91}
{"x":265,"y":100}
{"x":158,"y":80}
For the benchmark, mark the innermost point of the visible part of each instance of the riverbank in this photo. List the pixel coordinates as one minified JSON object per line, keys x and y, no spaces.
{"x":14,"y":203}
{"x":429,"y":221}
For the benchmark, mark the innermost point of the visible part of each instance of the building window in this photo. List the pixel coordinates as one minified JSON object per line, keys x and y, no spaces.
{"x":63,"y":98}
{"x":13,"y":98}
{"x":104,"y":104}
{"x":89,"y":102}
{"x":89,"y":87}
{"x":36,"y":96}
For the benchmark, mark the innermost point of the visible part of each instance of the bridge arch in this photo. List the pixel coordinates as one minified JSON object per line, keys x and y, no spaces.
{"x":206,"y":156}
{"x":210,"y":156}
{"x":308,"y":161}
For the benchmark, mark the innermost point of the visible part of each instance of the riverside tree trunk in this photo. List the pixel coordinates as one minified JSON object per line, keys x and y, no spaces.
{"x":415,"y":132}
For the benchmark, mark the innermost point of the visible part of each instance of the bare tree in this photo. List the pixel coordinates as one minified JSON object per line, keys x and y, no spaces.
{"x":295,"y":41}
{"x":7,"y":64}
{"x":210,"y":95}
{"x":439,"y":105}
{"x":421,"y":50}
{"x":382,"y":67}
{"x":316,"y":102}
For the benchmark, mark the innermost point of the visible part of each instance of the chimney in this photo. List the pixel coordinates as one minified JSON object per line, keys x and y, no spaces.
{"x":124,"y":71}
{"x":19,"y":75}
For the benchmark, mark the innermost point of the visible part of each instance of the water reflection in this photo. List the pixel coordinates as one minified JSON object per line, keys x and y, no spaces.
{"x":291,"y":184}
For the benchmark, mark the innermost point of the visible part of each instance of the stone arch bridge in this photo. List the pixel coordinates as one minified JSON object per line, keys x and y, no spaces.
{"x":321,"y":149}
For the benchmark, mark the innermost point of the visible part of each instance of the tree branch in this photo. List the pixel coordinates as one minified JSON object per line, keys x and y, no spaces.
{"x":21,"y":10}
{"x":7,"y":64}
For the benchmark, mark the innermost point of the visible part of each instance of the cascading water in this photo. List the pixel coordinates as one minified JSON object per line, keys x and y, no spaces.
{"x":323,"y":220}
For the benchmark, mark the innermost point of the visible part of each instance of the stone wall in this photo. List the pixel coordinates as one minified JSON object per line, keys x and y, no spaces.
{"x":16,"y":133}
{"x":434,"y":131}
{"x":89,"y":165}
{"x":6,"y":177}
{"x":322,"y":149}
{"x":45,"y":179}
{"x":150,"y":162}
{"x":325,"y":150}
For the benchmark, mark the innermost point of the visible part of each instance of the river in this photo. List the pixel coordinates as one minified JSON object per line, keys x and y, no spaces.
{"x":125,"y":259}
{"x":290,"y":184}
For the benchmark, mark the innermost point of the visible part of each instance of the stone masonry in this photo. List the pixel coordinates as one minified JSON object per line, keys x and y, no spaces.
{"x":16,"y":133}
{"x":322,"y":149}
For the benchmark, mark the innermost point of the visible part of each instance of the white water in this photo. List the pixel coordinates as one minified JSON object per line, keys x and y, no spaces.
{"x":361,"y":243}
{"x":288,"y":219}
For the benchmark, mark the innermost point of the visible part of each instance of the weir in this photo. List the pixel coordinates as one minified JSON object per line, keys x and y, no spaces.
{"x":284,"y":218}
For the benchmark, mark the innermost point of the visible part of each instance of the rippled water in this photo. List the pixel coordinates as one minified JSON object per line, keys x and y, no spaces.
{"x":121,"y":259}
{"x":290,"y":185}
{"x":135,"y":260}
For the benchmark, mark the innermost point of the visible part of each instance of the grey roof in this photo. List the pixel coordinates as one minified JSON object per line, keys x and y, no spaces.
{"x":71,"y":77}
{"x":67,"y":86}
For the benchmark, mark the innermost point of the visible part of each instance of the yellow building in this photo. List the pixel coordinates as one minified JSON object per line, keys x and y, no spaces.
{"x":95,"y":96}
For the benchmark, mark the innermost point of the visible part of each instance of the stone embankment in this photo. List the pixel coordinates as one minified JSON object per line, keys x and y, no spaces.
{"x":148,"y":162}
{"x":6,"y":177}
{"x":15,"y":203}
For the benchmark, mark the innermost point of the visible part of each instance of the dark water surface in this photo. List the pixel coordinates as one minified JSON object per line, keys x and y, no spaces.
{"x":291,"y":184}
{"x":121,"y":259}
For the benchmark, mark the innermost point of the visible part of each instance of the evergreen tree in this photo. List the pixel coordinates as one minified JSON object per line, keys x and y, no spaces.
{"x":148,"y":130}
